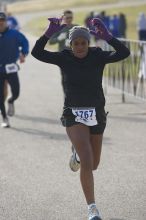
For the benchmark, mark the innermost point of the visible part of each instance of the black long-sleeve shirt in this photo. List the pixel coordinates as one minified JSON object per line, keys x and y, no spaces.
{"x":82,"y":76}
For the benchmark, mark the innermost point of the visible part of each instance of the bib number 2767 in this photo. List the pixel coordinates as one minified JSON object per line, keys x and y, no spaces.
{"x":85,"y":116}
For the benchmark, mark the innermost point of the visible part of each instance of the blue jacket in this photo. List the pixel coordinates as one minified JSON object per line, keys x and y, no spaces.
{"x":12,"y":43}
{"x":12,"y":23}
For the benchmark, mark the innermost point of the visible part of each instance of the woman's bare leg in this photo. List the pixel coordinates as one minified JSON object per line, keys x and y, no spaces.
{"x":96,"y":143}
{"x":80,"y":138}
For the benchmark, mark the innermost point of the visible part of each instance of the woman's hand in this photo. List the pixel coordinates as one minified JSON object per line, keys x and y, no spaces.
{"x":54,"y":26}
{"x":101,"y":31}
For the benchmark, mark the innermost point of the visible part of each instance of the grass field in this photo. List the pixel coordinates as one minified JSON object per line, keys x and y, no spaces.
{"x":37,"y":26}
{"x":38,"y":5}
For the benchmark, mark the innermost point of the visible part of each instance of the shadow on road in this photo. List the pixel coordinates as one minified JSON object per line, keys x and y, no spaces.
{"x":117,"y":219}
{"x":129,"y":118}
{"x":49,"y":135}
{"x":121,"y":103}
{"x":138,"y":113}
{"x":37,"y":119}
{"x":43,"y":134}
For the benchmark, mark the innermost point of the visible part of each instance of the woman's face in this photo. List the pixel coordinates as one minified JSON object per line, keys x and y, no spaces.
{"x":80,"y":47}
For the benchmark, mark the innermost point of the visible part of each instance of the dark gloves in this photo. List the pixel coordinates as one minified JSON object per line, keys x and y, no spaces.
{"x":54,"y":26}
{"x":101,"y":31}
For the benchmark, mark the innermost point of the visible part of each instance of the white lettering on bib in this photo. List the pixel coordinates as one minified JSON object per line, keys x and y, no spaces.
{"x":11,"y":68}
{"x":85,"y":116}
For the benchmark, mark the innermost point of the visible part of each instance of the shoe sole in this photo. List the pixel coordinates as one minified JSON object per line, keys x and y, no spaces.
{"x":73,"y":161}
{"x":8,"y":126}
{"x":72,"y":165}
{"x":96,"y":218}
{"x":9,"y":112}
{"x":10,"y":115}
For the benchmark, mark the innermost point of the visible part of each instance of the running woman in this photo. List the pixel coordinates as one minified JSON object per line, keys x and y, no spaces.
{"x":83,"y":115}
{"x":14,"y":47}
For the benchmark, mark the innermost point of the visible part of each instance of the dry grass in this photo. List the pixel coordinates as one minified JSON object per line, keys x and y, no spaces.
{"x":38,"y":5}
{"x":37,"y":26}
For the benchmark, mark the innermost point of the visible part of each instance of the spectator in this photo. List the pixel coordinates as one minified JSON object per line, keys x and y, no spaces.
{"x":141,"y":26}
{"x":61,"y":38}
{"x":88,"y":19}
{"x":122,"y":25}
{"x":105,"y":18}
{"x":114,"y":26}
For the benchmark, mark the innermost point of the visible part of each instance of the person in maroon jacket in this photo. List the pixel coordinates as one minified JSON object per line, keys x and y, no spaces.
{"x":83,"y":115}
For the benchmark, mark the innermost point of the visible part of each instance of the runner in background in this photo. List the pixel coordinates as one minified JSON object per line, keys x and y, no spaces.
{"x":61,"y":37}
{"x":3,"y":8}
{"x":15,"y":47}
{"x":12,"y":24}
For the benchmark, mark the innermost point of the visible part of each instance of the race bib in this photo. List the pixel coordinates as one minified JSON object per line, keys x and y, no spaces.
{"x":85,"y":116}
{"x":11,"y":68}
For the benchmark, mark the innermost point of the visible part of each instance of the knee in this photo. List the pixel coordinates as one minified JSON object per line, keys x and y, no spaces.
{"x":86,"y":162}
{"x":86,"y":165}
{"x":16,"y":94}
{"x":95,"y":164}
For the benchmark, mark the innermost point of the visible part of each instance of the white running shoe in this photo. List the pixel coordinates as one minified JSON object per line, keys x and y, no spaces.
{"x":74,"y":162}
{"x":5,"y":123}
{"x":11,"y":109}
{"x":93,"y":213}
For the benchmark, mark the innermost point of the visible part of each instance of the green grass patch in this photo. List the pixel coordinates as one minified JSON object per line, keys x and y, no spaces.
{"x":131,"y":15}
{"x":38,"y":5}
{"x":37,"y":26}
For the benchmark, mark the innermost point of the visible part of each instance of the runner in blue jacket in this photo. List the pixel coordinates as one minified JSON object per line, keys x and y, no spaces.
{"x":13,"y":47}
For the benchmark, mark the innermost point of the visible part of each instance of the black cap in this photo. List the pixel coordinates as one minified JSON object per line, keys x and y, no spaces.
{"x":3,"y":16}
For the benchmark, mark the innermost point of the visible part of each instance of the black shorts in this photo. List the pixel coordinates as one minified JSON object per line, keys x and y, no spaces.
{"x":68,"y":120}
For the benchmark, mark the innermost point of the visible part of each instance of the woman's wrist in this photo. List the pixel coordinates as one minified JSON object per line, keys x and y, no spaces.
{"x":109,"y":37}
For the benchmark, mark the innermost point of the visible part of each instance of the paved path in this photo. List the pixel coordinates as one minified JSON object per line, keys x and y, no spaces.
{"x":35,"y":180}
